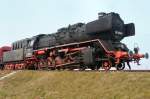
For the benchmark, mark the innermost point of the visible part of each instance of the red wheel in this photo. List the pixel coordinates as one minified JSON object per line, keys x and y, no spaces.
{"x":11,"y":67}
{"x":106,"y":65}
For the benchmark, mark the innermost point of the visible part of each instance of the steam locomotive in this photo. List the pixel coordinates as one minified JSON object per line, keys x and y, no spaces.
{"x":94,"y":45}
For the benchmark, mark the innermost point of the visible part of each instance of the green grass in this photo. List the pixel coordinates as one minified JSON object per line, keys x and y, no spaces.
{"x":76,"y":85}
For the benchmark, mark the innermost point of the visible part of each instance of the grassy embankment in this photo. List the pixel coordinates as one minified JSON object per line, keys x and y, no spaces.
{"x":76,"y":85}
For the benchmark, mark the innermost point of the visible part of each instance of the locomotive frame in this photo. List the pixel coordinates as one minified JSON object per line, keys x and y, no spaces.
{"x":75,"y":56}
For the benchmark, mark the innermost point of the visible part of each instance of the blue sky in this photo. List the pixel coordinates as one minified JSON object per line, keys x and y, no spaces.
{"x":25,"y":18}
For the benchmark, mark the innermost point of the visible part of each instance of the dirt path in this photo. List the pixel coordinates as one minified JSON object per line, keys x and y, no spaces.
{"x":8,"y":75}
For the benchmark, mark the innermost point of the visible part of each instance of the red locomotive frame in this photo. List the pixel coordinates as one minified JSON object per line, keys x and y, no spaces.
{"x":113,"y":58}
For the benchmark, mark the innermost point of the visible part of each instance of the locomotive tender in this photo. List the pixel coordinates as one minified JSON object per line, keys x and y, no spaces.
{"x":94,"y":45}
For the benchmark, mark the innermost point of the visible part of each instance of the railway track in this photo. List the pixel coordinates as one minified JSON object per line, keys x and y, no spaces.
{"x":88,"y":70}
{"x":125,"y":71}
